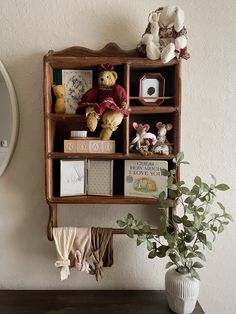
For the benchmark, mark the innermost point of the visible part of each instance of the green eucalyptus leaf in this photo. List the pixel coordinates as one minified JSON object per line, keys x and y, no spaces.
{"x":202,"y":237}
{"x":146,"y":229}
{"x":180,"y":157}
{"x":172,"y":187}
{"x":152,"y":254}
{"x":185,"y":162}
{"x":165,"y":172}
{"x":191,"y":230}
{"x":173,"y":194}
{"x":221,"y":228}
{"x":205,"y":187}
{"x":191,"y":255}
{"x":213,"y":178}
{"x":197,"y":221}
{"x":222,"y":187}
{"x":141,"y":238}
{"x":121,"y":223}
{"x":183,"y":270}
{"x":169,"y":264}
{"x":149,"y":245}
{"x":189,"y":238}
{"x":130,"y":216}
{"x":189,"y":200}
{"x":228,"y":216}
{"x":162,"y":196}
{"x":185,"y":190}
{"x":195,"y":190}
{"x":209,"y":245}
{"x":198,"y":181}
{"x":173,"y":171}
{"x":221,"y":206}
{"x":177,"y":219}
{"x":201,"y":255}
{"x":197,"y":265}
{"x":129,"y":231}
{"x":194,"y":274}
{"x":174,"y":258}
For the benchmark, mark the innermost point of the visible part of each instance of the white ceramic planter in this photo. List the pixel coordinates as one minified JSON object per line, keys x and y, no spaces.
{"x":182,"y":291}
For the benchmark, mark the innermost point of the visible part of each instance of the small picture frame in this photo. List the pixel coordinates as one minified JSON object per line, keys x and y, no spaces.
{"x":152,"y":86}
{"x":100,"y":177}
{"x":73,"y":177}
{"x":76,"y":83}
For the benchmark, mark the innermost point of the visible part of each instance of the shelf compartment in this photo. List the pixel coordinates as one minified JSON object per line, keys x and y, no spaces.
{"x":59,"y":155}
{"x":116,"y":199}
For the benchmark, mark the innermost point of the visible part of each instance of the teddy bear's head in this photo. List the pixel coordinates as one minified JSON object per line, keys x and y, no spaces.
{"x":107,"y":77}
{"x":59,"y":90}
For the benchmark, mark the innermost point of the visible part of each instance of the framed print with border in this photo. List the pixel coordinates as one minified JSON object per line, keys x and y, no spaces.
{"x":73,"y":177}
{"x":151,"y":87}
{"x":76,"y":82}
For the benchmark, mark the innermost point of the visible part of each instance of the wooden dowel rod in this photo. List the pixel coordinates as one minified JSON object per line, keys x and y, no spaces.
{"x":116,"y":231}
{"x":150,"y":97}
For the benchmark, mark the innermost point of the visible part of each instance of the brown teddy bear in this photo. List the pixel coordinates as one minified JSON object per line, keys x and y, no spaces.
{"x":106,"y":101}
{"x":59,"y":92}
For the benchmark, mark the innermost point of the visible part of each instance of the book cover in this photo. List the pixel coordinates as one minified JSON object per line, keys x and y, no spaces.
{"x":143,"y":178}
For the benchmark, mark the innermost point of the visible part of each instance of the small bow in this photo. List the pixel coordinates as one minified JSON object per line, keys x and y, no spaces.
{"x":80,"y":264}
{"x":98,"y":263}
{"x":106,"y":67}
{"x":65,"y":271}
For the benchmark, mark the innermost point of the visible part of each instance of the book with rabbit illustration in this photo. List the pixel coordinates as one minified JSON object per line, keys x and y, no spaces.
{"x":143,"y":178}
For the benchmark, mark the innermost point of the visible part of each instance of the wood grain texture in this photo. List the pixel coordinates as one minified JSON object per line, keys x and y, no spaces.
{"x":85,"y":302}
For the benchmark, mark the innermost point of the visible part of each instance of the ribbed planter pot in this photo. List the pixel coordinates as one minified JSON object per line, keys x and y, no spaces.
{"x":182,"y":291}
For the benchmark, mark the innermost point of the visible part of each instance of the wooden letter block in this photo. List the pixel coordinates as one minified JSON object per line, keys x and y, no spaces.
{"x":87,"y":145}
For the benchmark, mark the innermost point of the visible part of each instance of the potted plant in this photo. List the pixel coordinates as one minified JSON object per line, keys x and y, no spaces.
{"x":183,"y":237}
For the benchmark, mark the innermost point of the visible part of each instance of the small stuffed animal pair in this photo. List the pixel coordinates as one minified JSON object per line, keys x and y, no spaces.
{"x":147,"y":143}
{"x":106,"y":101}
{"x":165,"y":36}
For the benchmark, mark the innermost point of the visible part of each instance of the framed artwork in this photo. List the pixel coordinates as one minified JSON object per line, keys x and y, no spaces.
{"x":152,"y":86}
{"x":76,"y":82}
{"x":73,"y":177}
{"x":100,"y":177}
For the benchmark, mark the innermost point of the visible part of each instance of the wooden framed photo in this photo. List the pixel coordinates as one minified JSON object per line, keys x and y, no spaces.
{"x":152,"y":86}
{"x":76,"y":82}
{"x":73,"y":177}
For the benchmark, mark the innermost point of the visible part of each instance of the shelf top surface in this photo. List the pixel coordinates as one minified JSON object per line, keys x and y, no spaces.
{"x":111,"y":50}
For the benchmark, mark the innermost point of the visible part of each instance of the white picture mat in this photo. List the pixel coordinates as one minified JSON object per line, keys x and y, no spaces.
{"x":148,"y":83}
{"x":73,"y":177}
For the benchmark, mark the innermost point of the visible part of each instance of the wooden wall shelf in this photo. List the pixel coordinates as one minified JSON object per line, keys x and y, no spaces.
{"x":130,"y":66}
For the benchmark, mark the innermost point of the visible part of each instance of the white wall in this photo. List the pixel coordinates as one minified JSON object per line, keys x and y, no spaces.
{"x":28,"y":29}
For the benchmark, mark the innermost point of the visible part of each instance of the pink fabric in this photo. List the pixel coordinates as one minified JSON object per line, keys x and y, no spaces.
{"x":81,"y":249}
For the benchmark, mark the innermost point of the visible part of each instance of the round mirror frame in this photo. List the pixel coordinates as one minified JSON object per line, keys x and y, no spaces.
{"x":15,"y":118}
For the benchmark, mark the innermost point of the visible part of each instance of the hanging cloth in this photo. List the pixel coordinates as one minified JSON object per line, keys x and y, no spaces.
{"x":102,"y":250}
{"x":64,"y":238}
{"x":81,"y":249}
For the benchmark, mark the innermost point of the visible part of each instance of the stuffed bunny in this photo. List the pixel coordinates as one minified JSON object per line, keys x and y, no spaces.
{"x":172,"y":34}
{"x":151,"y":41}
